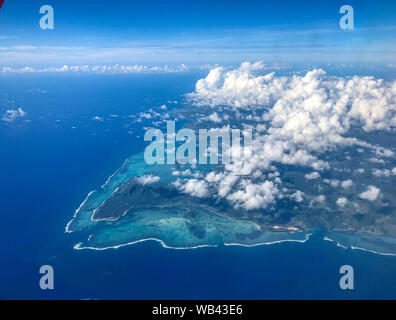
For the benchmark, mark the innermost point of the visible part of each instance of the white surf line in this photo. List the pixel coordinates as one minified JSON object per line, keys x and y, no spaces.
{"x":358,"y":248}
{"x":109,"y":178}
{"x":307,"y":236}
{"x":338,"y":244}
{"x":67,"y":230}
{"x":79,"y":246}
{"x":372,"y":251}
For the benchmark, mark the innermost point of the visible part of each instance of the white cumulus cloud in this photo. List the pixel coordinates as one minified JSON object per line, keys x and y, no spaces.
{"x":12,"y":115}
{"x":347,"y":183}
{"x":312,"y":176}
{"x":147,"y":179}
{"x":303,"y":116}
{"x":341,"y":202}
{"x":370,"y":194}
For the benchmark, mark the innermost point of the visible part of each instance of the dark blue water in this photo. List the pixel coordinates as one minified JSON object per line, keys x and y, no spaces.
{"x":49,"y":166}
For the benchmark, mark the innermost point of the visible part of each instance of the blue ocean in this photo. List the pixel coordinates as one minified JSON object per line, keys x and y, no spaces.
{"x":77,"y":133}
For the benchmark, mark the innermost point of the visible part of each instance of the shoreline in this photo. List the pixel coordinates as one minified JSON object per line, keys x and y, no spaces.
{"x":164,"y":245}
{"x":67,"y":230}
{"x":352,"y":247}
{"x":79,"y":246}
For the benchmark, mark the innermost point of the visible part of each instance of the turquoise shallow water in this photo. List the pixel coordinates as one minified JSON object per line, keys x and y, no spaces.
{"x":188,"y":225}
{"x":176,"y":225}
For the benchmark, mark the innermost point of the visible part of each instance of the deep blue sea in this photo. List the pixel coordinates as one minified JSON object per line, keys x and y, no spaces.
{"x":56,"y":154}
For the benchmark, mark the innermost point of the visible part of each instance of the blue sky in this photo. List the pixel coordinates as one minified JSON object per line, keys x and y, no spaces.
{"x":196,"y":32}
